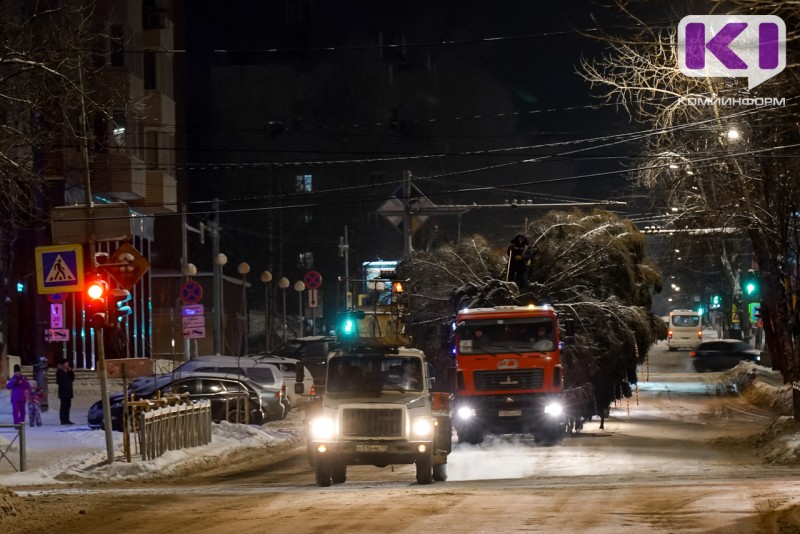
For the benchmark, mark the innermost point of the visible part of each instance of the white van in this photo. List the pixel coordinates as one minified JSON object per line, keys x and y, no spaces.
{"x":685,"y":329}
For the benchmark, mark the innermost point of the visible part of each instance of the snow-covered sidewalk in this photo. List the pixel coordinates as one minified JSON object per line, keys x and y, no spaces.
{"x":60,"y":454}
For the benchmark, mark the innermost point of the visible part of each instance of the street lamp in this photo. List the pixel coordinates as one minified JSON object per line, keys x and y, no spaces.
{"x":266,"y":277}
{"x":299,"y":286}
{"x":283,"y":283}
{"x":219,"y":335}
{"x":243,"y":269}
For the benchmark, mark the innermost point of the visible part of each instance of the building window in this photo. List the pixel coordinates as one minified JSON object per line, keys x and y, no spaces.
{"x":119,"y":129}
{"x":305,"y":260}
{"x":100,"y":132}
{"x":117,"y":46}
{"x":151,"y":150}
{"x":149,"y":70}
{"x":303,"y":183}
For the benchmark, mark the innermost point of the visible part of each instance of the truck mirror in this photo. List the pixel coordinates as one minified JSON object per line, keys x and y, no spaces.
{"x":299,"y":372}
{"x":299,"y":388}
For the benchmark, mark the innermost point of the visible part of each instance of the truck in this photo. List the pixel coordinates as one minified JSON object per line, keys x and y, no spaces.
{"x":378,"y":407}
{"x":509,"y":375}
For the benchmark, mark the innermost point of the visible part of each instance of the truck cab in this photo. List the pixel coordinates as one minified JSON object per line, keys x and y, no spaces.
{"x":378,"y":409}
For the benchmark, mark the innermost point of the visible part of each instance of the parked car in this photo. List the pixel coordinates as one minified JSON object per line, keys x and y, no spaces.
{"x":313,"y":352}
{"x":223,"y":390}
{"x":288,"y":367}
{"x":266,"y":374}
{"x":722,"y":354}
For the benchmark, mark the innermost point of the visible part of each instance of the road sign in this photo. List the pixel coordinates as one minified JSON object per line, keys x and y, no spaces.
{"x":193,"y":322}
{"x":59,"y":268}
{"x":129,"y":367}
{"x":312,"y":280}
{"x":57,"y":297}
{"x":192,"y":310}
{"x":57,"y":315}
{"x":191,"y":292}
{"x":394,"y":208}
{"x":56,"y":334}
{"x":126,"y":265}
{"x":195,"y":332}
{"x":313,"y":298}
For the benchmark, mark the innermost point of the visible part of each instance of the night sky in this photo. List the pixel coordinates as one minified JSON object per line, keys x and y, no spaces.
{"x":472,"y":81}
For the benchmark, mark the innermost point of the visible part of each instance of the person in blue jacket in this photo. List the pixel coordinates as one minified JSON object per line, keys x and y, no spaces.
{"x":20,"y":387}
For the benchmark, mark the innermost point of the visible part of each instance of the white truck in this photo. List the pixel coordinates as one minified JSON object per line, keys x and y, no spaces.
{"x":378,"y":409}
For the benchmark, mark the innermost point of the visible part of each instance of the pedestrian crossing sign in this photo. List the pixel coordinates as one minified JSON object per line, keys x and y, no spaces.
{"x":59,"y":268}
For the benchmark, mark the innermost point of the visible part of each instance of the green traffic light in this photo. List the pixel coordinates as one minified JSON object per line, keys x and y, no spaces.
{"x":349,"y":327}
{"x":750,"y":288}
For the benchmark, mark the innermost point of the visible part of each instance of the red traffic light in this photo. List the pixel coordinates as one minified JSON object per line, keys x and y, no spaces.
{"x":95,"y":302}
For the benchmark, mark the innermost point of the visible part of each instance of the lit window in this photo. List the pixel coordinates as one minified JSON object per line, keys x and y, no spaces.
{"x":303,"y":182}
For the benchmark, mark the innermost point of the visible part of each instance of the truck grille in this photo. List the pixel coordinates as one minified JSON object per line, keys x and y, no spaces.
{"x":377,"y":423}
{"x":518,"y":379}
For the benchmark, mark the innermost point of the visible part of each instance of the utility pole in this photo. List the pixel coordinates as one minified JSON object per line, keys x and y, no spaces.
{"x":344,"y":252}
{"x":217,"y":280}
{"x":407,"y":231}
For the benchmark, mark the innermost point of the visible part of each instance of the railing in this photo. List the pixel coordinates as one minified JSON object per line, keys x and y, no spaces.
{"x":5,"y":449}
{"x":172,"y":428}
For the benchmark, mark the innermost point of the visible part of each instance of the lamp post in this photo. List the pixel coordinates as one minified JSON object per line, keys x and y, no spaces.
{"x":299,"y":286}
{"x":189,"y":270}
{"x":243,"y":269}
{"x":219,"y":335}
{"x":266,"y":277}
{"x":283,"y":283}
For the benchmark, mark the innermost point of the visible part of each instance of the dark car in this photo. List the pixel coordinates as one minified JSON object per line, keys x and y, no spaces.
{"x":224,"y":393}
{"x":722,"y":354}
{"x":313,"y":352}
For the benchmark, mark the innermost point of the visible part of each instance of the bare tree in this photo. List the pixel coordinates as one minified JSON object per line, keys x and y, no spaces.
{"x":592,"y":267}
{"x":719,"y":161}
{"x":45,"y":67}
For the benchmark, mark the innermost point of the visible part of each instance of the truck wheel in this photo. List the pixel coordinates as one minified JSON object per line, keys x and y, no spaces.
{"x":322,"y":472}
{"x":440,"y":472}
{"x":338,"y":472}
{"x":424,"y":470}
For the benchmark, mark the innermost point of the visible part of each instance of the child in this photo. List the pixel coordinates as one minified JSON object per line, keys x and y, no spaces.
{"x":35,"y":396}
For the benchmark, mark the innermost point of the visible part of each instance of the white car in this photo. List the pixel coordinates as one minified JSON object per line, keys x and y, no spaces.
{"x":288,"y":367}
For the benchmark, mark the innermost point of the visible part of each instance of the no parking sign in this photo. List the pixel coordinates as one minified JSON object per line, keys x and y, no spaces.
{"x":312,"y":280}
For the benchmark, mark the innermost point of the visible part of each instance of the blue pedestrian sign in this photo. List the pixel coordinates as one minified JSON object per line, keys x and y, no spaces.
{"x":59,"y":269}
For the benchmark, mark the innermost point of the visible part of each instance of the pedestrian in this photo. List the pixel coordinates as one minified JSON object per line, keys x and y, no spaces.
{"x":65,"y":376}
{"x":35,"y":396}
{"x":19,"y":387}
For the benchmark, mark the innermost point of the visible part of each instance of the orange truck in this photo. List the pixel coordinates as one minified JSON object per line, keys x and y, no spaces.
{"x":509,"y":377}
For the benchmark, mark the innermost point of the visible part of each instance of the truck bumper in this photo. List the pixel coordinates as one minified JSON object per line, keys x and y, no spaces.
{"x":377,"y":453}
{"x":504,"y":413}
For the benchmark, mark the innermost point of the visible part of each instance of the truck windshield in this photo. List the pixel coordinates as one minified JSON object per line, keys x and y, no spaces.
{"x":506,"y":335}
{"x":372,"y":374}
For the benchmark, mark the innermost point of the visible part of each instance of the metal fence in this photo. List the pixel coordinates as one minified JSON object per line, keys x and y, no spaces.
{"x":6,"y":449}
{"x":173,"y":428}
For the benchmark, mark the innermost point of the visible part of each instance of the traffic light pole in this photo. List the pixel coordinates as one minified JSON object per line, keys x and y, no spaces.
{"x":101,"y":371}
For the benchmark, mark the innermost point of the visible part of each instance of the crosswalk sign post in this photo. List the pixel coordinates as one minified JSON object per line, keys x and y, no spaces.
{"x":59,"y":269}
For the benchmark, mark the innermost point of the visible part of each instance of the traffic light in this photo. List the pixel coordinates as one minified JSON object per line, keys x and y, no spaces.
{"x":348,"y":324}
{"x":118,"y":307}
{"x":750,"y":284}
{"x":96,"y":300}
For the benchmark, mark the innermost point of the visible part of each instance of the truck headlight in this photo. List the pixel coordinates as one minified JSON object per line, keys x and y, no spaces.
{"x":555,"y":409}
{"x":322,"y":428}
{"x":422,"y":428}
{"x":465,"y":412}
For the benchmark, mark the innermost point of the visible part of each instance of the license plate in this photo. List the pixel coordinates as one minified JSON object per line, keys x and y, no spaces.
{"x":509,"y":413}
{"x":372,"y":448}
